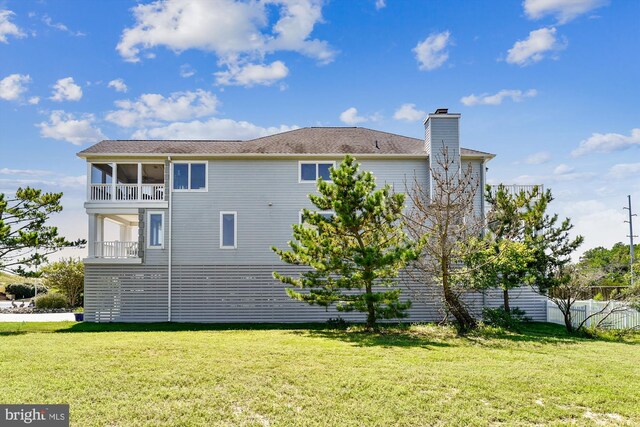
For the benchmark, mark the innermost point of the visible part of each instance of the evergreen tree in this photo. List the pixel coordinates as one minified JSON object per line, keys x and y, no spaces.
{"x":360,"y":248}
{"x":25,"y":237}
{"x":508,"y":259}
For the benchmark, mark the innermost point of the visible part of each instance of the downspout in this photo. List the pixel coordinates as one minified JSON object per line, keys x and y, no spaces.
{"x":169,"y":243}
{"x":483,"y":173}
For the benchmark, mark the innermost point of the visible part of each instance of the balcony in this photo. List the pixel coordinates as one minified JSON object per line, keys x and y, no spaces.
{"x":113,"y":239}
{"x":116,"y":249}
{"x":126,"y":192}
{"x":126,"y":182}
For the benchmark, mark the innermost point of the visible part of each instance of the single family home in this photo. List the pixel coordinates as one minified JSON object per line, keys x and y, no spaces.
{"x":182,"y":231}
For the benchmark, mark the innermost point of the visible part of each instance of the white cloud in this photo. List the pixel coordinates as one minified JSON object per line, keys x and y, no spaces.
{"x":54,"y":182}
{"x":212,"y":128}
{"x":34,"y":100}
{"x":496,"y":98}
{"x":350,"y":116}
{"x":8,"y":28}
{"x":562,"y":176}
{"x":563,"y":169}
{"x":381,"y":4}
{"x":66,"y":127}
{"x":600,"y":224}
{"x":535,"y":47}
{"x":14,"y":85}
{"x":563,"y":10}
{"x":66,"y":90}
{"x":27,"y":172}
{"x":409,"y":113}
{"x":624,"y":170}
{"x":238,"y":32}
{"x":538,"y":158}
{"x":152,"y":108}
{"x":187,"y":71}
{"x":431,"y":53}
{"x":60,"y":26}
{"x":252,"y":74}
{"x":607,"y":142}
{"x":118,"y":85}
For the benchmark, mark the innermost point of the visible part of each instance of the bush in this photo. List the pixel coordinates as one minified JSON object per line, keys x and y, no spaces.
{"x":24,"y":290}
{"x":500,"y":317}
{"x":338,"y":323}
{"x":67,"y":276}
{"x":51,"y":301}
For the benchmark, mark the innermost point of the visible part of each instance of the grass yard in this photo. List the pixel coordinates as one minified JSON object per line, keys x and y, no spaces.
{"x":277,"y":375}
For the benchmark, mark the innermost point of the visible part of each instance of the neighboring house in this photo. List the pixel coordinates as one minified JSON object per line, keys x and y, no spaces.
{"x":182,"y":230}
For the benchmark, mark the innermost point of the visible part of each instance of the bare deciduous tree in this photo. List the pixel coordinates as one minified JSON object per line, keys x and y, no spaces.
{"x":573,"y":280}
{"x":444,"y":222}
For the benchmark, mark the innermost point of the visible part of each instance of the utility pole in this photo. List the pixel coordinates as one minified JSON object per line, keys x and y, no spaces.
{"x":631,"y":236}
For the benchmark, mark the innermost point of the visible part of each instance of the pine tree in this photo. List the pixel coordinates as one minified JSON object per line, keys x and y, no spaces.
{"x":362,"y":247}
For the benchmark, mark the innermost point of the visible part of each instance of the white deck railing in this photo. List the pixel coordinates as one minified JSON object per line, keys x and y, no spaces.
{"x":126,"y":192}
{"x":116,"y":249}
{"x":516,"y":189}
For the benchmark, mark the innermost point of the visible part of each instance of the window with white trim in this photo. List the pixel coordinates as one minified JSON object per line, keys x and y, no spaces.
{"x":155,"y":230}
{"x":311,"y":171}
{"x":190,"y":176}
{"x":228,"y":230}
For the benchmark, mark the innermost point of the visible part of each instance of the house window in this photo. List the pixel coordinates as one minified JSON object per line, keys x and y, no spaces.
{"x":155,"y":230}
{"x":228,"y":230}
{"x":311,"y":171}
{"x":190,"y":176}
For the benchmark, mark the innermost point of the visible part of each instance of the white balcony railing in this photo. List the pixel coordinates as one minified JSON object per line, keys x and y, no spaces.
{"x":100,"y":192}
{"x":116,"y":249}
{"x":515,"y":189}
{"x":126,"y":192}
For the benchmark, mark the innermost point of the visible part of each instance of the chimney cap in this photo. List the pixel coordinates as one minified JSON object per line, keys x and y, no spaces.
{"x":442,"y":111}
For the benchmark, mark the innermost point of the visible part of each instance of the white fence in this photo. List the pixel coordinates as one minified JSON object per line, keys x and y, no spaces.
{"x":604,"y":314}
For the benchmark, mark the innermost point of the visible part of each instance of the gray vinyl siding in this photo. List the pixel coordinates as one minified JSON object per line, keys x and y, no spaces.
{"x":125,"y":293}
{"x":210,"y":284}
{"x":247,"y":293}
{"x":267,"y":197}
{"x":447,"y":131}
{"x":154,"y":256}
{"x":476,"y":171}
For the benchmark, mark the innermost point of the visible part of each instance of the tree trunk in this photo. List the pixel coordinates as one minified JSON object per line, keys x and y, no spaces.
{"x":371,"y":312}
{"x":465,"y":321}
{"x":567,"y":321}
{"x":505,"y":296}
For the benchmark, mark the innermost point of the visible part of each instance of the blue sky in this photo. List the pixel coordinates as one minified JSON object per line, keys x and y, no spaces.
{"x":550,"y":86}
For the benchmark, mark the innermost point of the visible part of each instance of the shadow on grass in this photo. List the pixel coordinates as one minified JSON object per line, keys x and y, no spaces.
{"x":385,"y":337}
{"x":544,"y":333}
{"x":10,"y":333}
{"x":389,"y":335}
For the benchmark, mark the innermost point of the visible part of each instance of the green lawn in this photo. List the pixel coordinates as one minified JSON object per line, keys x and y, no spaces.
{"x":169,"y":374}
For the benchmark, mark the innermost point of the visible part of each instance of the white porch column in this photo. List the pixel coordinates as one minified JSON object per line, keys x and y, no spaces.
{"x":125,"y":233}
{"x":92,"y":236}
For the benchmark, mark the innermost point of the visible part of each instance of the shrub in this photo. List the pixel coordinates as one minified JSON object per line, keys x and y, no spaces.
{"x":338,"y":323}
{"x":67,"y":276}
{"x":24,"y":290}
{"x":500,"y":317}
{"x":51,"y":301}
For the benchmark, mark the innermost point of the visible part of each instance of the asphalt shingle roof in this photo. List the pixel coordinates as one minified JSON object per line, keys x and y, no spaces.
{"x":311,"y":140}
